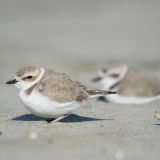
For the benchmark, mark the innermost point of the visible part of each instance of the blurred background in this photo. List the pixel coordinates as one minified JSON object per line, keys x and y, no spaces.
{"x":58,"y":31}
{"x":76,"y":37}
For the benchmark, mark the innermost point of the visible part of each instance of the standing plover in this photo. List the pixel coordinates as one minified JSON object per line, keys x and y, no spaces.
{"x":132,"y":86}
{"x":49,"y":94}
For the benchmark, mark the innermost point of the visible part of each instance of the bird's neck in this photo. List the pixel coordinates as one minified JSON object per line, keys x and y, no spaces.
{"x":29,"y":87}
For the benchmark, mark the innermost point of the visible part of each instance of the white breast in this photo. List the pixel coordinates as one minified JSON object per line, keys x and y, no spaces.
{"x":106,"y":83}
{"x":120,"y":99}
{"x":41,"y":105}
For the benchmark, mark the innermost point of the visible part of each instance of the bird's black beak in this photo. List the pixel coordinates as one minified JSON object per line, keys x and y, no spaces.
{"x":14,"y":81}
{"x":96,"y":79}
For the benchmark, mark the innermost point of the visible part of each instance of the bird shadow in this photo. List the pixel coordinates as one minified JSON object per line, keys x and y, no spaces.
{"x":102,"y":98}
{"x":28,"y":117}
{"x":71,"y":118}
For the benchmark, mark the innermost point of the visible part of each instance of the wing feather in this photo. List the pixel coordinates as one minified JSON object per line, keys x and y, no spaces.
{"x":62,"y":89}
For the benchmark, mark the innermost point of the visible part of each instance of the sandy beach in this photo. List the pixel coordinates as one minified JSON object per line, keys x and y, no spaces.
{"x":98,"y":130}
{"x":78,"y":38}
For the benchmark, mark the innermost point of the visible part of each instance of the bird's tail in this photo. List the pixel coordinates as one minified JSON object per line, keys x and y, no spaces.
{"x":99,"y":92}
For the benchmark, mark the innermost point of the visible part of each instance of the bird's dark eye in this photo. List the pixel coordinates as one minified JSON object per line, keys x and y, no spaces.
{"x":29,"y":77}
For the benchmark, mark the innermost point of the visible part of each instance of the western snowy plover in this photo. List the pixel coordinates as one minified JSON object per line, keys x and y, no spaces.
{"x":49,"y":94}
{"x":132,"y":86}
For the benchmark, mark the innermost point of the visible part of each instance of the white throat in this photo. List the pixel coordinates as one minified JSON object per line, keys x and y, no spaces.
{"x":107,"y":83}
{"x":25,"y":85}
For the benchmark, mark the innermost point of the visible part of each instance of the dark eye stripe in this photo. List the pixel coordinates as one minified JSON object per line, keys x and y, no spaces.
{"x":114,"y":75}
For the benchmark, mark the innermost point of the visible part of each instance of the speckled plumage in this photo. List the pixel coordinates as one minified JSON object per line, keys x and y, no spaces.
{"x":59,"y":87}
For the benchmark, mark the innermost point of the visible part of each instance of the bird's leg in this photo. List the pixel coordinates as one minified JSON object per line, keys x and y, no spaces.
{"x":57,"y":119}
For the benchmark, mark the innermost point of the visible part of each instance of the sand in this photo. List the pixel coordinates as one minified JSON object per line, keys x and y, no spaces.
{"x":98,"y":130}
{"x":78,"y":37}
